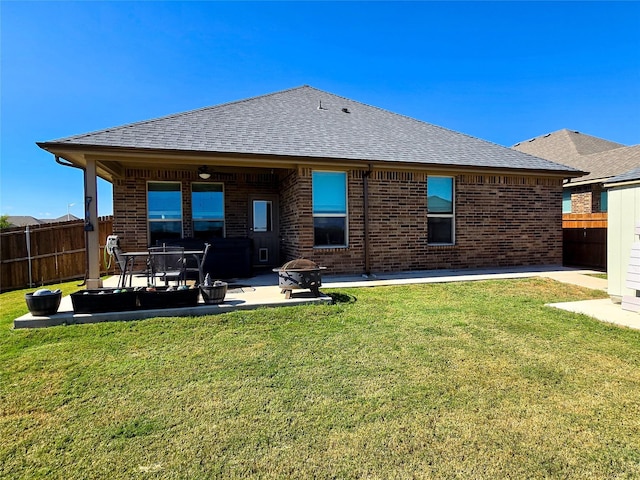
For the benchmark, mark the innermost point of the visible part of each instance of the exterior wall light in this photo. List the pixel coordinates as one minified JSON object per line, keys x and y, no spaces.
{"x":203,"y":173}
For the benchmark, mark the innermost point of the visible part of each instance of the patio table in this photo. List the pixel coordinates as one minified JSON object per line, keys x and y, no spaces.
{"x":130,"y":258}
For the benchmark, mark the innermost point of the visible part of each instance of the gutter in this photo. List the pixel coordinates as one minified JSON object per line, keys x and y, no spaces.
{"x":622,"y":184}
{"x":153,"y":156}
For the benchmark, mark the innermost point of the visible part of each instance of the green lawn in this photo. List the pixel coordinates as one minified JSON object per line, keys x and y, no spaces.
{"x":604,"y":276}
{"x":461,"y":380}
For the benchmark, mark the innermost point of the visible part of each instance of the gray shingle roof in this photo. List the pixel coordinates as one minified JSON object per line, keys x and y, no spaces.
{"x":605,"y":165}
{"x":630,"y":176}
{"x":23,"y":220}
{"x":565,"y":146}
{"x":601,"y":158}
{"x":307,"y":122}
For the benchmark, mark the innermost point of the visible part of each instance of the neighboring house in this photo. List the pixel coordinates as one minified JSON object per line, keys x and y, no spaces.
{"x":24,"y":220}
{"x":305,"y":173}
{"x":584,"y":199}
{"x":601,"y":158}
{"x":624,"y":220}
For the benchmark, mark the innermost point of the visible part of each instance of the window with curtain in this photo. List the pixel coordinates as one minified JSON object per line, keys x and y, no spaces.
{"x":329,"y":209}
{"x":164,"y":211}
{"x":440,"y":210}
{"x":207,"y":210}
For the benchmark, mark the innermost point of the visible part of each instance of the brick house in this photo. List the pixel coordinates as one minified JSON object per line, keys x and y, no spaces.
{"x":305,"y":173}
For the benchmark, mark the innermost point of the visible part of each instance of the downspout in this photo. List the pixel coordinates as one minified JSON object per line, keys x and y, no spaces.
{"x":365,"y":201}
{"x":84,"y":180}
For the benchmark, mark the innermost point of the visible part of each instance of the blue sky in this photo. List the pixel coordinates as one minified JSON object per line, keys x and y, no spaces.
{"x":501,"y":71}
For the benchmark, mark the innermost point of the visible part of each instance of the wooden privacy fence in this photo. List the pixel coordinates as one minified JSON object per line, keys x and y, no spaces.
{"x":47,"y":253}
{"x":584,"y":240}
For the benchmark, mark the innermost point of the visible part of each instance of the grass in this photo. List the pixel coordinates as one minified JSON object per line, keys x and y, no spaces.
{"x":599,"y":275}
{"x":461,"y":380}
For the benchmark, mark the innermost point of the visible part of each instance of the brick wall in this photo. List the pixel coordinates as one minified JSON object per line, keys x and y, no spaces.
{"x":295,"y":207}
{"x":499,"y":221}
{"x":507,"y":221}
{"x":586,"y":198}
{"x":130,"y":201}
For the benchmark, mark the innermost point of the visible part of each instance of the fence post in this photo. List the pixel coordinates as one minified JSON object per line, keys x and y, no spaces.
{"x":28,"y":239}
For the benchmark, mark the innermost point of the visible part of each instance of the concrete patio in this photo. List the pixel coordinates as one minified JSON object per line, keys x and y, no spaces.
{"x":245,"y":294}
{"x":263,"y":291}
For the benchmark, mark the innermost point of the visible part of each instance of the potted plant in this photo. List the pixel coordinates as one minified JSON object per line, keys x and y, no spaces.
{"x":213,"y":292}
{"x":43,"y":302}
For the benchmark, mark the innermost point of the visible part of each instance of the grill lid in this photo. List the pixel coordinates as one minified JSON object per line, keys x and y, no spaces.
{"x":299,"y":264}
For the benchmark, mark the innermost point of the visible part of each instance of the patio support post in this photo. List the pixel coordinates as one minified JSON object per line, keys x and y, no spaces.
{"x":91,"y":225}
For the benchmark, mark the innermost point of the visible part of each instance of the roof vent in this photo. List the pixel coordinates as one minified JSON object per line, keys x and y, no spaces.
{"x":320,"y":107}
{"x":346,"y":110}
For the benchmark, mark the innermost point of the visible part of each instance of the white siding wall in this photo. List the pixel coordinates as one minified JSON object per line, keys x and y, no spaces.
{"x":624,"y":214}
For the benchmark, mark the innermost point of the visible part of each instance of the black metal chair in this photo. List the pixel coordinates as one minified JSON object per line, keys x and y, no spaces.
{"x":167,"y":263}
{"x":126,"y":265}
{"x":199,"y":264}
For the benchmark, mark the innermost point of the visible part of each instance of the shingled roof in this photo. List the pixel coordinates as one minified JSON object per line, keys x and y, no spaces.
{"x":603,"y":159}
{"x":307,"y":122}
{"x":630,"y":176}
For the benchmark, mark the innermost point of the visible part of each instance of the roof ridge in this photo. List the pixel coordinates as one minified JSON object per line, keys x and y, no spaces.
{"x":570,"y":136}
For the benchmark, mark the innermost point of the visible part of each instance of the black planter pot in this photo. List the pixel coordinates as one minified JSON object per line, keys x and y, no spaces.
{"x":43,"y":305}
{"x":103,"y":300}
{"x":163,"y":298}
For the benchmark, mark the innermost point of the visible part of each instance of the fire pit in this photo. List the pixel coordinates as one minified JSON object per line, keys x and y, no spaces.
{"x":300,"y":274}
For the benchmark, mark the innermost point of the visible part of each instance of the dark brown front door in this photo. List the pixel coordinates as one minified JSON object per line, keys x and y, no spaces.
{"x":264,"y":230}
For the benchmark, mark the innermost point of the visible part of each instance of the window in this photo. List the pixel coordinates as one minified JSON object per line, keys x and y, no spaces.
{"x":207,"y":210}
{"x":164,"y":211}
{"x":329,"y":209}
{"x":604,"y":201}
{"x":262,"y":217}
{"x":440,"y":218}
{"x":566,"y":201}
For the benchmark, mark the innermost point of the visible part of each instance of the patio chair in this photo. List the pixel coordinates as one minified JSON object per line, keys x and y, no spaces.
{"x":168,"y":263}
{"x":126,"y":265}
{"x":198,"y":268}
